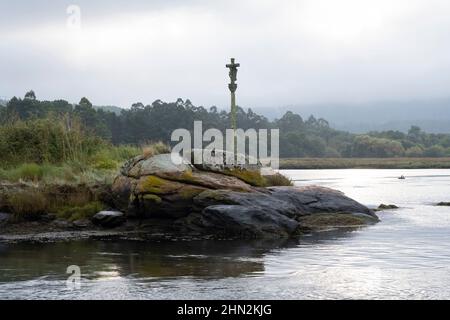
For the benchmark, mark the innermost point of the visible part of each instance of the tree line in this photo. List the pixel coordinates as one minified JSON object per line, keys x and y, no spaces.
{"x":299,"y":137}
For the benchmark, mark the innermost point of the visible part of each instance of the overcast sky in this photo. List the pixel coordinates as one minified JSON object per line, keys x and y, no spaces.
{"x":291,"y":52}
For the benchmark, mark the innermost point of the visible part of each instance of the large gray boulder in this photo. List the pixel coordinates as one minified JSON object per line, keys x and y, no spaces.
{"x":242,"y":222}
{"x":227,"y":202}
{"x":289,"y":201}
{"x":277,"y":212}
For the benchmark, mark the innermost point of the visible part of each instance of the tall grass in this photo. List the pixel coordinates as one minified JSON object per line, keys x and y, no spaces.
{"x":25,"y":171}
{"x":57,"y":149}
{"x":68,"y":202}
{"x":152,"y":149}
{"x":277,"y":179}
{"x":65,"y":164}
{"x":49,"y":140}
{"x":31,"y":203}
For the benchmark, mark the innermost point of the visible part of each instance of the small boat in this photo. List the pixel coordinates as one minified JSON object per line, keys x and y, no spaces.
{"x":402,"y":177}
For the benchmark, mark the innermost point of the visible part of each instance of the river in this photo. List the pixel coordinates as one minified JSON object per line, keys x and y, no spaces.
{"x":406,"y":255}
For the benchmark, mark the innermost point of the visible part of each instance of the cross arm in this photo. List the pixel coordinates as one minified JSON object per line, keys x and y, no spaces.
{"x":234,"y":65}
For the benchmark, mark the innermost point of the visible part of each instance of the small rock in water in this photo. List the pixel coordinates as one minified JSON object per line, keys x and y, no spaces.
{"x":109,"y":219}
{"x":444,"y":204}
{"x":387,"y":207}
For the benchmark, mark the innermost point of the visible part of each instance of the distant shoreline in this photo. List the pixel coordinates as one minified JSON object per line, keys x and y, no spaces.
{"x":365,"y":163}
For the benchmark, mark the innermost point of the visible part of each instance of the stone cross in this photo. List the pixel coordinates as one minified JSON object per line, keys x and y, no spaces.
{"x":233,"y":86}
{"x":233,"y":73}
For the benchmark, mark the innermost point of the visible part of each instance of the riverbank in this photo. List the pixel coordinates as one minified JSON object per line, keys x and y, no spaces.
{"x":365,"y":163}
{"x":154,"y":198}
{"x":157,"y":230}
{"x":64,"y":230}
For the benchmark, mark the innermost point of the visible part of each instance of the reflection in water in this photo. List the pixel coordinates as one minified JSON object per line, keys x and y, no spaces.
{"x":103,"y":259}
{"x":406,"y":255}
{"x":109,"y":259}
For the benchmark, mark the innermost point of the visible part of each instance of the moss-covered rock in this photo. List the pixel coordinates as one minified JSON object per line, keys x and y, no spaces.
{"x":252,"y":177}
{"x":152,"y":198}
{"x":156,"y":185}
{"x":157,"y":197}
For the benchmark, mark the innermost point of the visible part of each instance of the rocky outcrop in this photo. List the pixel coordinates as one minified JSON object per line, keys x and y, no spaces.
{"x":157,"y":188}
{"x":227,"y":202}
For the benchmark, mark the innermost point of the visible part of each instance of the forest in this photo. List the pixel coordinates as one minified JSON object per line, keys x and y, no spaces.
{"x":143,"y":124}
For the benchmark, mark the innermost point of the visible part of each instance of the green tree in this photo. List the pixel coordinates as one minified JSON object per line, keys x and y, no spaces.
{"x":435,"y":151}
{"x":30,"y":95}
{"x":415,"y":151}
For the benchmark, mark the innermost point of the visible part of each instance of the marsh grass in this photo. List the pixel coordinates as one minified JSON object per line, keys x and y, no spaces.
{"x":71,"y":202}
{"x":84,"y":211}
{"x":365,"y":163}
{"x":153,"y":149}
{"x":55,"y":162}
{"x":277,"y":179}
{"x":99,"y":167}
{"x":28,"y":204}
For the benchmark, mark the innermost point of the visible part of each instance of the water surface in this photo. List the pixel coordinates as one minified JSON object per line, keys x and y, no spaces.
{"x":406,"y":255}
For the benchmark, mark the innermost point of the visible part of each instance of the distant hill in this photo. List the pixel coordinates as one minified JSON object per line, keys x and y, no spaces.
{"x":428,"y":125}
{"x":431,"y":115}
{"x":116,"y":110}
{"x":3,"y":102}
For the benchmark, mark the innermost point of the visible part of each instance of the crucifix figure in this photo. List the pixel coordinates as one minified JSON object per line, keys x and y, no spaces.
{"x":233,"y":86}
{"x":233,"y":72}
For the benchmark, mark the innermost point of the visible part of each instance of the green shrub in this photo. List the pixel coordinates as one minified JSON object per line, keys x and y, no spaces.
{"x":85,"y":211}
{"x":124,"y":152}
{"x":30,"y":171}
{"x":5,"y":175}
{"x":77,"y":166}
{"x":106,"y":164}
{"x":50,"y":140}
{"x":103,"y":160}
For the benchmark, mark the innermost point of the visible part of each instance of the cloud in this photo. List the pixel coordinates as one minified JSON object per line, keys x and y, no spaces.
{"x":297,"y":52}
